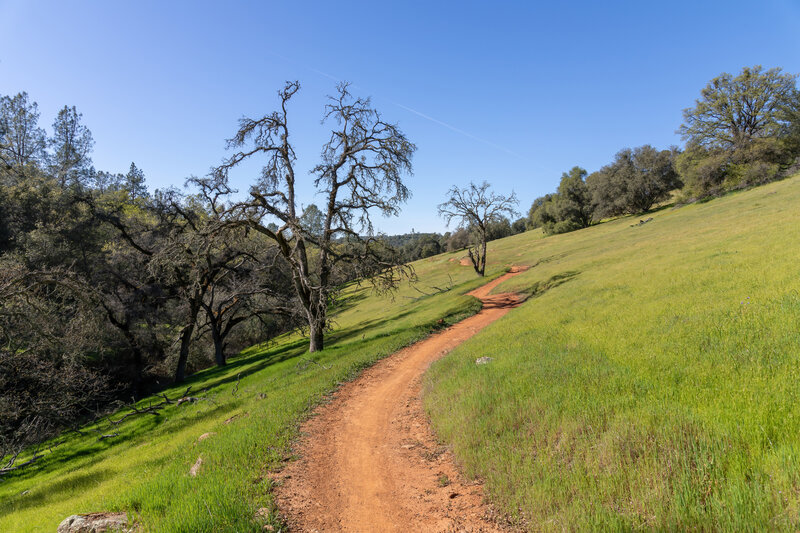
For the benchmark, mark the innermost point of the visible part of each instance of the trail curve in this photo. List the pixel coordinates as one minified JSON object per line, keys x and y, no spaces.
{"x":368,"y":459}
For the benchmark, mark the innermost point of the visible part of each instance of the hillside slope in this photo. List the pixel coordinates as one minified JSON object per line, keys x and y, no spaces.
{"x":251,"y":409}
{"x":651,"y":381}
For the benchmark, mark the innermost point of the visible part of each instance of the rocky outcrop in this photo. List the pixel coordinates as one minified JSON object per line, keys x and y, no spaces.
{"x":95,"y":523}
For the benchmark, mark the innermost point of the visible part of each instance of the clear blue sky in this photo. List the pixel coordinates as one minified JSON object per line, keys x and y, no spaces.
{"x":511,"y":92}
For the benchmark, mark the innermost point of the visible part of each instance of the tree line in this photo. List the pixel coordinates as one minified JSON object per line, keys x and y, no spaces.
{"x":109,"y":291}
{"x":413,"y":246}
{"x":743,"y":131}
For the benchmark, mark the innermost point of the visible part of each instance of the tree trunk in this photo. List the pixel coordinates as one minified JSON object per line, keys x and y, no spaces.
{"x":183,"y":356}
{"x":483,"y":258}
{"x":478,"y":258}
{"x":138,"y":367}
{"x":136,"y":354}
{"x":219,"y":347}
{"x":316,"y":334}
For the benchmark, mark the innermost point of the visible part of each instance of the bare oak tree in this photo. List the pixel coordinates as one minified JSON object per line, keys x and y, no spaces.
{"x":360,"y":172}
{"x":474,"y":208}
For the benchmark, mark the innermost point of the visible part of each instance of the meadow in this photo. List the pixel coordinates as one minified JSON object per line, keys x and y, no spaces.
{"x":648,"y":382}
{"x":651,"y":379}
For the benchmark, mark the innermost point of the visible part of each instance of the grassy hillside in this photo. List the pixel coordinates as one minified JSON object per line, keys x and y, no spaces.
{"x":652,"y":379}
{"x":266,"y":391}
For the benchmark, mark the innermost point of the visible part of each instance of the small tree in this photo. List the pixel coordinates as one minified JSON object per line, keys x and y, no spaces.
{"x":476,"y":208}
{"x":572,"y":201}
{"x":71,"y":144}
{"x":458,"y":240}
{"x":361,"y":171}
{"x":135,"y":183}
{"x":22,"y":141}
{"x":254,"y":286}
{"x":537,"y":214}
{"x":569,"y":209}
{"x":520,"y":225}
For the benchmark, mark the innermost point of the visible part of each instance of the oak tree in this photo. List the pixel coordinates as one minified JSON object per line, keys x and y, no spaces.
{"x":476,"y":208}
{"x":636,"y":180}
{"x":732,"y":111}
{"x":360,"y":172}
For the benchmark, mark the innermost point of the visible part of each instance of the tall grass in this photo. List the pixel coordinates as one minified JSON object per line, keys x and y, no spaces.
{"x":655,"y":387}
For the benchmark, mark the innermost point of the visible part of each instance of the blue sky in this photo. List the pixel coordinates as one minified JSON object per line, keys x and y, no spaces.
{"x":511,"y":92}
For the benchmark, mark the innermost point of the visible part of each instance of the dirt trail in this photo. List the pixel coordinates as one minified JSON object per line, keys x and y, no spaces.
{"x":369,"y":461}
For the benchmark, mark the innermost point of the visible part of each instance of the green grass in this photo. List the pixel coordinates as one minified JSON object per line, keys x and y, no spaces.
{"x":651,"y":380}
{"x":145,"y":470}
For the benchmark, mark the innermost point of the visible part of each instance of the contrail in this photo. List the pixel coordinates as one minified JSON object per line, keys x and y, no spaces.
{"x":410,"y":110}
{"x":457,"y":130}
{"x":334,"y":78}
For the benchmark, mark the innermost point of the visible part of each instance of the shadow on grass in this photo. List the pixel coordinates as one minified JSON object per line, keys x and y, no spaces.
{"x":541,"y":287}
{"x":51,"y":492}
{"x":249,"y":363}
{"x":339,"y":337}
{"x":88,"y":446}
{"x":662,"y":207}
{"x":348,"y":302}
{"x":94,"y":450}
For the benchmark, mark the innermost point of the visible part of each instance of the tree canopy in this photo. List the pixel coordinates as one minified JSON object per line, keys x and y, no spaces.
{"x":636,"y":180}
{"x":568,"y":209}
{"x":742,"y":131}
{"x":733,"y":111}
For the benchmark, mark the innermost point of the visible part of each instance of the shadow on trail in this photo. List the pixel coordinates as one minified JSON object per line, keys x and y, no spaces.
{"x":501,"y":302}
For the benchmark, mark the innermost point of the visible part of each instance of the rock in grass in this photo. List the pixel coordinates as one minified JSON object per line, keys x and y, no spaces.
{"x":204,"y":436}
{"x":483,"y":360}
{"x":94,"y":523}
{"x":196,"y":467}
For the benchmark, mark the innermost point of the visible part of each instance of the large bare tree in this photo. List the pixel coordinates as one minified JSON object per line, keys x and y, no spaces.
{"x":474,"y":208}
{"x":360,"y":172}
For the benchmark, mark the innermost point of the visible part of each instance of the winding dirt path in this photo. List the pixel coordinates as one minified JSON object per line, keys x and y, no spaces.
{"x":369,"y":461}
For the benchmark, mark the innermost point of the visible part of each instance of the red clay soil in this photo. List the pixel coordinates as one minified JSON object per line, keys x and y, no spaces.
{"x":369,"y":460}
